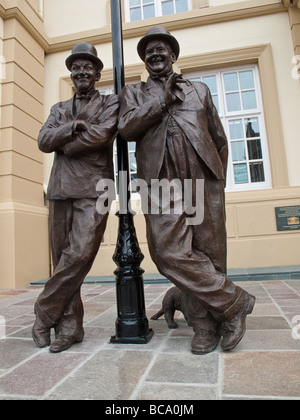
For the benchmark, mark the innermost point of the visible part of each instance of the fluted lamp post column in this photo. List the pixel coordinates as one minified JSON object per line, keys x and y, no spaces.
{"x":132,"y":325}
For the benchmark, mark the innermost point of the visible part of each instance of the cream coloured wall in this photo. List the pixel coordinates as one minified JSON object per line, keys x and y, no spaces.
{"x":62,"y":17}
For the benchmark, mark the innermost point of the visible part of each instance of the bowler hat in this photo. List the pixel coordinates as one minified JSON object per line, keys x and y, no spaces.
{"x":158,"y":32}
{"x":87,"y":51}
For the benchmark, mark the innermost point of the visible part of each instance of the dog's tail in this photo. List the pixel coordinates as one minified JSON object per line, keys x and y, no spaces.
{"x":158,"y":314}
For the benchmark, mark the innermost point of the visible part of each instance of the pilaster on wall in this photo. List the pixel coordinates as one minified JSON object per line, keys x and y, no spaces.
{"x":23,"y":216}
{"x":294,"y":15}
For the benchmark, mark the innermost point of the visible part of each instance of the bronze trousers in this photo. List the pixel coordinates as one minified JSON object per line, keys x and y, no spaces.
{"x":193,"y":257}
{"x":76,"y":231}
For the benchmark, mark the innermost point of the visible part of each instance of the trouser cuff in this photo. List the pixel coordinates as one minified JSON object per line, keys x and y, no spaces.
{"x":46,"y":320}
{"x":240,"y":301}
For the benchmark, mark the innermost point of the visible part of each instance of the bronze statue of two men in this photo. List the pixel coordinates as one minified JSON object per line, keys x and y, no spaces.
{"x":178,"y":135}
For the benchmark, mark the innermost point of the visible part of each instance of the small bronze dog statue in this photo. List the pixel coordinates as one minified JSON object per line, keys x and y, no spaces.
{"x":174,"y":300}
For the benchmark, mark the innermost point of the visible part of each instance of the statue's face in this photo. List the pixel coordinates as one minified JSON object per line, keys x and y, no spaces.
{"x":159,"y":58}
{"x":84,"y":75}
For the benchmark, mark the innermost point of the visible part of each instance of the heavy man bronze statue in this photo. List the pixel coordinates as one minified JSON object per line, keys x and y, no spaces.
{"x":179,"y":135}
{"x":81,"y":133}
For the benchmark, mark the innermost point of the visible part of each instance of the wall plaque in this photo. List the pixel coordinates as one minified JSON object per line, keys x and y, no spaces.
{"x":287,"y":218}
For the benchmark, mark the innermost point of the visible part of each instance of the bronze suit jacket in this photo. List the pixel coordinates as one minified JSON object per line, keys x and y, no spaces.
{"x":143,"y":120}
{"x":84,"y":158}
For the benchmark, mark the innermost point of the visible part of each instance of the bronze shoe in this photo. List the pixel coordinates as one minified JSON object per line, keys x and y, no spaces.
{"x":204,"y":342}
{"x":234,"y":330}
{"x":64,"y":342}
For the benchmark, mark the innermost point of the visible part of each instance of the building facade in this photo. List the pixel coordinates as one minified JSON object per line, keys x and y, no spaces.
{"x":248,"y":53}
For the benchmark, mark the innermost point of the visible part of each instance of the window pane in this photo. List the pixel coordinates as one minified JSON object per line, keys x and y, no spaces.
{"x":134,"y":3}
{"x":231,"y":82}
{"x":168,"y":8}
{"x":181,"y":6}
{"x":254,"y":149}
{"x":233,"y":102}
{"x":252,"y":127}
{"x":249,"y":100}
{"x":135,"y":14}
{"x":246,"y":80}
{"x":131,"y":146}
{"x":240,"y":173}
{"x":257,"y":172}
{"x":211,"y":82}
{"x":133,"y":167}
{"x":238,"y":151}
{"x":216,"y":102}
{"x":236,"y":129}
{"x":149,"y":11}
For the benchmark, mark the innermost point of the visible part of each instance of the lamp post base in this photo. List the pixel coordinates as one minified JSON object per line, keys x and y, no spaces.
{"x":132,"y":326}
{"x":133,"y":340}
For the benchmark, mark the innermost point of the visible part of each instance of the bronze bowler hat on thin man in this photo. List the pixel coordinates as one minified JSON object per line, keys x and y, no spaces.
{"x":87,"y":51}
{"x":158,"y":32}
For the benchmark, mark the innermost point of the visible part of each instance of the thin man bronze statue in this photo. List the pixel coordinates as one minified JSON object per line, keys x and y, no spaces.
{"x":81,"y":132}
{"x":179,"y":135}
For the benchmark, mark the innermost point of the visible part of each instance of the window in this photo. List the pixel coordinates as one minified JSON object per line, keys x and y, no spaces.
{"x":236,"y":95}
{"x":145,"y":9}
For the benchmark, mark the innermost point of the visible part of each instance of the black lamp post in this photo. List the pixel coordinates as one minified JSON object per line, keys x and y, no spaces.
{"x":132,"y":324}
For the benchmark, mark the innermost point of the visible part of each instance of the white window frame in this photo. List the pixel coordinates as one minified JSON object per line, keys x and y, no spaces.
{"x":227,"y":116}
{"x":157,"y":6}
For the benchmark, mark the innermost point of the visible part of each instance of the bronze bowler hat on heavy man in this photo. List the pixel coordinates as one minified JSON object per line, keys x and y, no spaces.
{"x":158,"y":32}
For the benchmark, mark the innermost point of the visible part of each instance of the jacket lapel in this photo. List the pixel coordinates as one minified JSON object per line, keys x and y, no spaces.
{"x":187,"y":88}
{"x":154,"y":88}
{"x":67,"y":110}
{"x":92,"y":108}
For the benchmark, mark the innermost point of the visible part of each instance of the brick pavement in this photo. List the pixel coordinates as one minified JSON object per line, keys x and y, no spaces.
{"x":265,"y":365}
